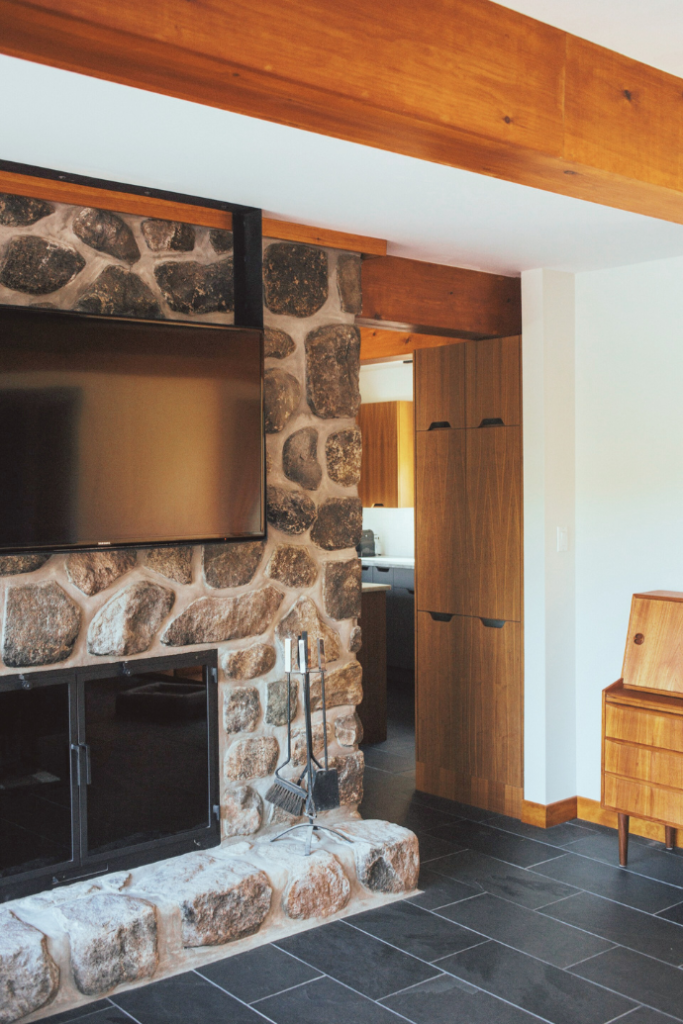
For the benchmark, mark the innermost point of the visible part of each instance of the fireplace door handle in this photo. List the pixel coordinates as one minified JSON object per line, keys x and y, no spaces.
{"x":82,"y":748}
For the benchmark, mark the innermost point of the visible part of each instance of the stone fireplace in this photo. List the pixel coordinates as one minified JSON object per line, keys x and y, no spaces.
{"x":77,"y":942}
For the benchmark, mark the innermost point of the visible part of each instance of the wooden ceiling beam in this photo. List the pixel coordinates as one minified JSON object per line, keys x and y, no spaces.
{"x":383,"y":346}
{"x":459,"y":82}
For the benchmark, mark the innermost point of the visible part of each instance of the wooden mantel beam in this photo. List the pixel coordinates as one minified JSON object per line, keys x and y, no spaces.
{"x":460,"y":82}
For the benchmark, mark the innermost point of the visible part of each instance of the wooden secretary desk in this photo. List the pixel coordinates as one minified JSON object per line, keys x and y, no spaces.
{"x":642,"y":720}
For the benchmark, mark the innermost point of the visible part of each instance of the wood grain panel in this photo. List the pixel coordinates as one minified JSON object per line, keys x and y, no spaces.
{"x":646,"y":764}
{"x":548,"y":815}
{"x":644,"y":801}
{"x":441,"y":552}
{"x":591,"y":810}
{"x":378,"y":422}
{"x":469,"y":701}
{"x":372,"y":710}
{"x":432,"y":295}
{"x":406,"y":454}
{"x":492,"y":796}
{"x":494,"y":515}
{"x":379,"y":345}
{"x":463,"y":82}
{"x":493,"y":386}
{"x":440,"y":387}
{"x":644,"y":727}
{"x":653,"y":657}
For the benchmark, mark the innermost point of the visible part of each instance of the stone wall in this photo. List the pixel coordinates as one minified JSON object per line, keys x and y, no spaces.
{"x":241,"y":598}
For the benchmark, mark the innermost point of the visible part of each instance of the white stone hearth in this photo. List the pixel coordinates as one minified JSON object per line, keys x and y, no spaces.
{"x":87,"y":940}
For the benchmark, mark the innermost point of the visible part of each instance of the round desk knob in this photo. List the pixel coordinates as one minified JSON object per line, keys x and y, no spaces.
{"x":639,"y":638}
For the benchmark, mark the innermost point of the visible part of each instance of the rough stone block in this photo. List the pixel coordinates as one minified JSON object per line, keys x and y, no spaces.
{"x":29,"y":977}
{"x":277,"y":344}
{"x":343,"y":452}
{"x":350,"y":768}
{"x":173,"y":563}
{"x":305,"y":616}
{"x":113,"y":941}
{"x":191,"y":287}
{"x":349,"y":730}
{"x":295,"y":279}
{"x":349,"y":282}
{"x":220,"y":899}
{"x":128,"y":621}
{"x":387,"y":856}
{"x":251,"y":662}
{"x":241,"y":812}
{"x":342,"y":588}
{"x":35,"y":266}
{"x":343,"y":686}
{"x":339,"y":524}
{"x":333,"y":370}
{"x":290,"y":511}
{"x":241,"y":709}
{"x":356,"y":639}
{"x":252,"y":758}
{"x":106,"y":232}
{"x":41,"y":625}
{"x":168,"y":235}
{"x":317,"y":885}
{"x":300,"y":458}
{"x":281,"y":397}
{"x":92,"y":571}
{"x":232,"y":565}
{"x":299,"y":751}
{"x":221,"y":240}
{"x":13,"y":565}
{"x":292,"y":566}
{"x":210,"y":620}
{"x":276,"y":701}
{"x":20,"y":211}
{"x":119,"y":292}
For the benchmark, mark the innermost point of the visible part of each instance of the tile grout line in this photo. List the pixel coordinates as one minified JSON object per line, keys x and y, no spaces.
{"x":615,"y":945}
{"x":236,"y":998}
{"x":290,"y":988}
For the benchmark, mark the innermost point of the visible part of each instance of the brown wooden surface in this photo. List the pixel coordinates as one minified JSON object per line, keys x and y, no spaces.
{"x":623,"y":839}
{"x":493,"y":381}
{"x":378,"y":345}
{"x":548,"y":815}
{"x":646,"y":728}
{"x":149,"y":206}
{"x":469,"y":705}
{"x":669,"y":837}
{"x":646,"y":764}
{"x":592,"y":810}
{"x":441,"y":527}
{"x":387,"y":467}
{"x":372,"y":710}
{"x":440,"y":386}
{"x":463,"y":82}
{"x":653,"y":658}
{"x":627,"y":796}
{"x":432,"y":295}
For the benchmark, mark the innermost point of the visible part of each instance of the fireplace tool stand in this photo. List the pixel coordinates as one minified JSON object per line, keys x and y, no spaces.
{"x":317,"y":788}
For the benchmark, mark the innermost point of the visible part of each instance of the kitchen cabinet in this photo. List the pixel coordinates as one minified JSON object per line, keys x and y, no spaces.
{"x":440,"y":387}
{"x":387,"y":470}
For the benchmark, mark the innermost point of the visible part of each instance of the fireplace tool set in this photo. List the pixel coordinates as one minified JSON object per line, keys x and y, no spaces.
{"x":317,"y":788}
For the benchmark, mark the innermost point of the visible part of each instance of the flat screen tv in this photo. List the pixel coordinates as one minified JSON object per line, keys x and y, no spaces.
{"x":121,"y":432}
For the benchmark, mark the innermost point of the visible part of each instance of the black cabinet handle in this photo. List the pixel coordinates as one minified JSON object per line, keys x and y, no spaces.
{"x":495,"y":421}
{"x":493,"y":623}
{"x":409,"y":590}
{"x":379,"y":568}
{"x":441,"y":616}
{"x":439,"y":425}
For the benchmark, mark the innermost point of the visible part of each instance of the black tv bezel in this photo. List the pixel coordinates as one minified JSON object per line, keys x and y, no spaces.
{"x":248,"y":263}
{"x":177,"y":541}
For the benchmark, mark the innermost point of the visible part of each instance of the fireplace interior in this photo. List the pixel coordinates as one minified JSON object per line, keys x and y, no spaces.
{"x":106,"y":767}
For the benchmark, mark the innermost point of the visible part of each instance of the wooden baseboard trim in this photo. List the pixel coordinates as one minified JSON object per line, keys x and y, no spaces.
{"x":547,"y":815}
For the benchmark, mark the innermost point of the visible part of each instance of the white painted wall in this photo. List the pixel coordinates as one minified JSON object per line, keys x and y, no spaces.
{"x":629,"y":470}
{"x":386,"y":382}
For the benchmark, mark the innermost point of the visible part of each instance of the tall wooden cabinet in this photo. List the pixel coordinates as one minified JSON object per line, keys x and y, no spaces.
{"x":387,"y":473}
{"x":469,"y":572}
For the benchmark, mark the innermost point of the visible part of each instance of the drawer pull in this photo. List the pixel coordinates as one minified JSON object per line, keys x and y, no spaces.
{"x":441,"y":616}
{"x":439,"y":425}
{"x":385,"y":569}
{"x":639,"y":638}
{"x":409,"y":590}
{"x":495,"y":421}
{"x":493,"y":623}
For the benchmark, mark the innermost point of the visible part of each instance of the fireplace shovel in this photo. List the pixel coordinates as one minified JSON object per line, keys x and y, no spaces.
{"x":287,"y":795}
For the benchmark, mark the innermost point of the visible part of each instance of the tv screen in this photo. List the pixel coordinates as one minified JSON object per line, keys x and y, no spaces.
{"x":117,"y":431}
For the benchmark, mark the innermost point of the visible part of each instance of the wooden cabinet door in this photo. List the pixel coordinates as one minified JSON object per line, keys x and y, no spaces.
{"x":469,"y":711}
{"x":378,"y":424}
{"x":441,"y":537}
{"x":440,"y":386}
{"x":493,"y":492}
{"x":492,"y":382}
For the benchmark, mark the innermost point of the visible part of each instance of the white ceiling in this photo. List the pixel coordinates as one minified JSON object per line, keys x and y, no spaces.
{"x":647,"y":30}
{"x":58,"y":119}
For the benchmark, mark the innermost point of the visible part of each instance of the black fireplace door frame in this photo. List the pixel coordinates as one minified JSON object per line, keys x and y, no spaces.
{"x":82,"y":864}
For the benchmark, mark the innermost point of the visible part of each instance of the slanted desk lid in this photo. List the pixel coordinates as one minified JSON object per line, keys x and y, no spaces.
{"x":653,"y":659}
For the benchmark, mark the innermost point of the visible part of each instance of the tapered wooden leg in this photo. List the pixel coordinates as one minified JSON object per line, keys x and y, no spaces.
{"x":670,"y":840}
{"x":623,"y":839}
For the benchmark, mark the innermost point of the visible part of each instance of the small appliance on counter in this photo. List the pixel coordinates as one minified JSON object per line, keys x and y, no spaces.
{"x":369,"y":546}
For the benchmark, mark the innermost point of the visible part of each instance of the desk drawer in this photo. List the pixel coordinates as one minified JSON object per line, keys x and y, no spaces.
{"x":646,"y":727}
{"x":662,"y":767}
{"x":644,"y":801}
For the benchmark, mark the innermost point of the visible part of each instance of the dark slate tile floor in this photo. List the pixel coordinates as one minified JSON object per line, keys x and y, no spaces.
{"x":514,"y":925}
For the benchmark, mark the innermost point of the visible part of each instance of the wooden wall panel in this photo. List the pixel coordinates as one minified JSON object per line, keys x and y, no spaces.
{"x":440,"y":386}
{"x":377,"y":344}
{"x":378,"y":422}
{"x":493,"y":381}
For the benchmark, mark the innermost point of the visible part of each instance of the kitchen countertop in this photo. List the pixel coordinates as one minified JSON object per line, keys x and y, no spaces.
{"x":369,"y":587}
{"x":408,"y":563}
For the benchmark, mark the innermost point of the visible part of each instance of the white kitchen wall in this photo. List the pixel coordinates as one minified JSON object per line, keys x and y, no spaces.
{"x":395,"y":528}
{"x":386,"y":382}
